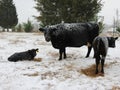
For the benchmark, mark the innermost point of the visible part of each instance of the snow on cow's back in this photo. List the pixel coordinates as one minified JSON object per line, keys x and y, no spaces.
{"x":68,"y":26}
{"x":74,"y":26}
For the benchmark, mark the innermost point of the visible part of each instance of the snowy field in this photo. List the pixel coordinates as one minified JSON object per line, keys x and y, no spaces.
{"x":51,"y":74}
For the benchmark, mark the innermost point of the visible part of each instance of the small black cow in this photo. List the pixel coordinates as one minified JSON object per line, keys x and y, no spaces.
{"x":71,"y":35}
{"x":26,"y":55}
{"x":100,"y":46}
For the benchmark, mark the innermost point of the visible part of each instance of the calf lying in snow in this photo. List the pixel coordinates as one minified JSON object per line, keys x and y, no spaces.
{"x":100,"y":46}
{"x":27,"y":55}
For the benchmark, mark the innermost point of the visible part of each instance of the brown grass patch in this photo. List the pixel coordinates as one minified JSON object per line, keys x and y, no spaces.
{"x":48,"y":74}
{"x":90,"y":71}
{"x":53,"y":54}
{"x":32,"y":74}
{"x":116,"y":88}
{"x":111,"y":63}
{"x":70,"y":67}
{"x":38,"y":59}
{"x":16,"y":41}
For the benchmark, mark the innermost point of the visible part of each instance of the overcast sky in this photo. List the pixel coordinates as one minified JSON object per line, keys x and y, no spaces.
{"x":109,"y":10}
{"x":25,"y":10}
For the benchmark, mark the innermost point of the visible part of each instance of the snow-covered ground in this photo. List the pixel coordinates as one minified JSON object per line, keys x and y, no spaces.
{"x":51,"y":74}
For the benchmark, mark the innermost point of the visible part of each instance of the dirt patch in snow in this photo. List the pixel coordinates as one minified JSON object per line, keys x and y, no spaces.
{"x":16,"y":41}
{"x":32,"y":74}
{"x":90,"y":71}
{"x":116,"y":88}
{"x":38,"y":59}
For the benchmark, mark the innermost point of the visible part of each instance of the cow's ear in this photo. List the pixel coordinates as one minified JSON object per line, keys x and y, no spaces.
{"x":116,"y":38}
{"x":37,"y":50}
{"x":41,"y":29}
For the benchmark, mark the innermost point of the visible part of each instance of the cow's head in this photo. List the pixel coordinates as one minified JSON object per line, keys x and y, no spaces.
{"x":33,"y":52}
{"x":111,"y":41}
{"x":48,"y":31}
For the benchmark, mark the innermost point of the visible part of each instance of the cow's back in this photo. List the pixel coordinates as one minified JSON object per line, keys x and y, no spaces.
{"x":100,"y":45}
{"x":74,"y":34}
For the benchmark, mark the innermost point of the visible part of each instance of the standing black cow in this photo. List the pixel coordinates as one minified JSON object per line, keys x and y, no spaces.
{"x":71,"y":35}
{"x":100,"y":46}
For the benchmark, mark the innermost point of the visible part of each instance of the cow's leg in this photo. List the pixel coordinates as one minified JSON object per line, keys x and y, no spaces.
{"x":97,"y":63}
{"x":60,"y":53}
{"x":65,"y":53}
{"x":89,"y":50}
{"x":102,"y":64}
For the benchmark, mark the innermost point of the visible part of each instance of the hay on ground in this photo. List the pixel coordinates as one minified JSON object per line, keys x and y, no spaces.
{"x":90,"y":71}
{"x":38,"y":59}
{"x":31,"y":74}
{"x":116,"y":88}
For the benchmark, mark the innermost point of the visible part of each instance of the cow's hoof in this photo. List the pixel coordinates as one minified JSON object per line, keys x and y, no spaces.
{"x":96,"y":72}
{"x":102,"y":72}
{"x":65,"y":57}
{"x":60,"y":59}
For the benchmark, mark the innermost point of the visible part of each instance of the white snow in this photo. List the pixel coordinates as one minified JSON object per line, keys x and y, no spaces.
{"x":51,"y":74}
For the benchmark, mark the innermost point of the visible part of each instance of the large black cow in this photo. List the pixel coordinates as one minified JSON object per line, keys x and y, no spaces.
{"x":70,"y":35}
{"x":100,"y":46}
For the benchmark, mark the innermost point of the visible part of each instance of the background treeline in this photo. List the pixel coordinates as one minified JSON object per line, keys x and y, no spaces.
{"x":24,"y":27}
{"x":29,"y":26}
{"x":67,"y":11}
{"x":51,"y":12}
{"x":9,"y":18}
{"x":8,"y":14}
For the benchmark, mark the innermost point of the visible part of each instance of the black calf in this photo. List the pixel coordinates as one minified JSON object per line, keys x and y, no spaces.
{"x":27,"y":55}
{"x":100,"y":46}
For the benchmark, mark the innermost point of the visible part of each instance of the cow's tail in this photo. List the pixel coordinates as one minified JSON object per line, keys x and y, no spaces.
{"x":96,"y":29}
{"x":93,"y":33}
{"x":96,"y":46}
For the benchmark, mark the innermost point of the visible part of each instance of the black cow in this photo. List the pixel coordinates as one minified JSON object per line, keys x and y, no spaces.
{"x":100,"y":46}
{"x":71,"y":35}
{"x":26,"y":55}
